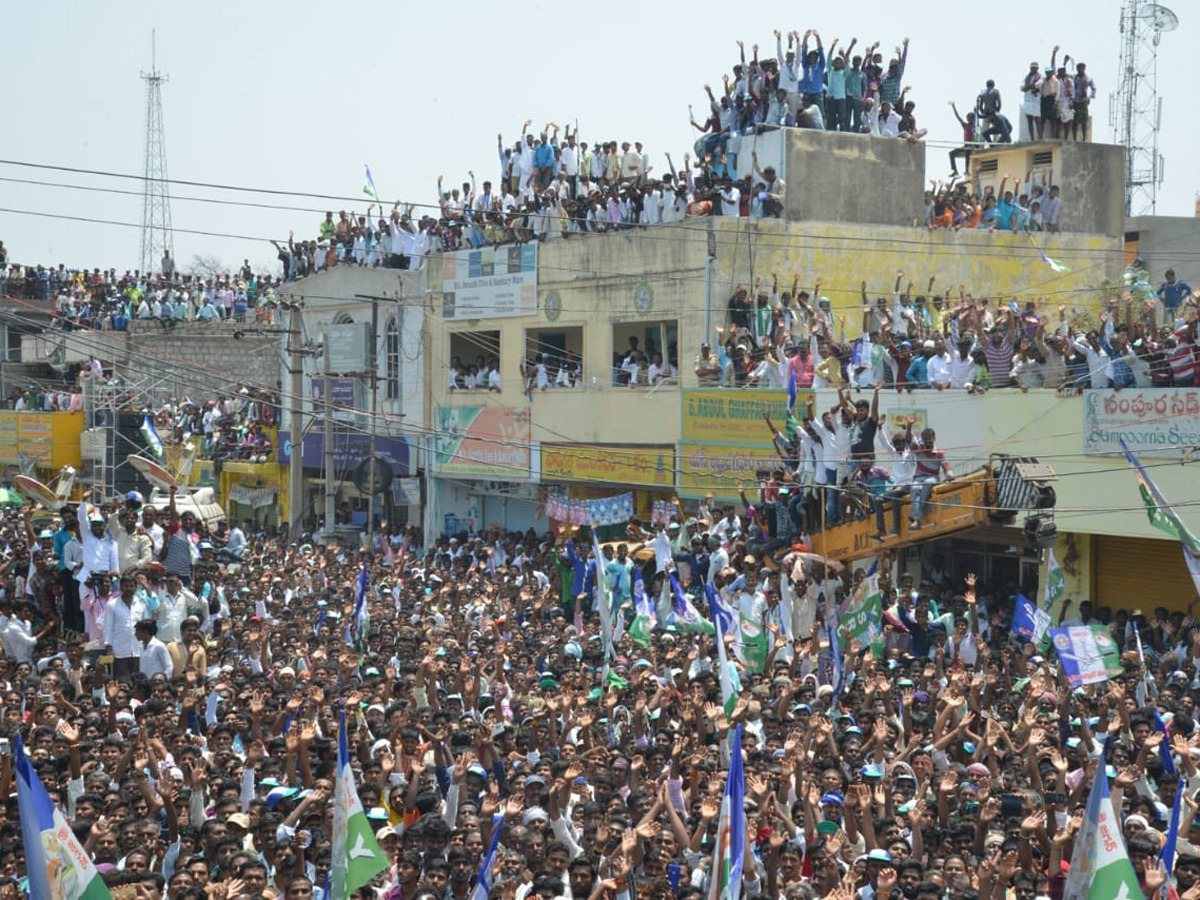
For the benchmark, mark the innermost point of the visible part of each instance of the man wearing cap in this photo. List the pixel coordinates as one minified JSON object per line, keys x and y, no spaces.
{"x":1031,"y":104}
{"x":99,"y":560}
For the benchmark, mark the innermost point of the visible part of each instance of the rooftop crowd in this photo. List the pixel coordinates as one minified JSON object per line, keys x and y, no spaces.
{"x":192,"y":746}
{"x":946,"y":339}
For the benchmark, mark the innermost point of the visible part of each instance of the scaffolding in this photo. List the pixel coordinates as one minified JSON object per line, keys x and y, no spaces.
{"x":105,"y":444}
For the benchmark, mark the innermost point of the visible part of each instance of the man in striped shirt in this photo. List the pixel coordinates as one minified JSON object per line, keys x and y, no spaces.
{"x":999,"y":350}
{"x":930,"y":464}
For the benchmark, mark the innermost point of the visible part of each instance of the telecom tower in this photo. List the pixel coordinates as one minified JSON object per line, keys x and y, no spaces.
{"x":157,"y":238}
{"x":1135,"y":111}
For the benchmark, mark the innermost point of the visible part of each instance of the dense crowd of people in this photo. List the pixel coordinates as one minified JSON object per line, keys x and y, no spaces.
{"x":527,"y":719}
{"x":106,"y":300}
{"x":945,"y":339}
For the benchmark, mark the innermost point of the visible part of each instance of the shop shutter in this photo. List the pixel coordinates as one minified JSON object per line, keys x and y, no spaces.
{"x":1138,"y":573}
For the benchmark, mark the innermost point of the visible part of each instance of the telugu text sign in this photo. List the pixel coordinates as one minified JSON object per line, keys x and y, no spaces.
{"x":735,"y":416}
{"x":720,"y":467}
{"x":490,"y":283}
{"x":627,"y":464}
{"x":1158,"y":422}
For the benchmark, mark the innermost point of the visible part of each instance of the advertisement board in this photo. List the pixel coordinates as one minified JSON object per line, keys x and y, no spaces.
{"x":482,"y":442}
{"x":626,"y":464}
{"x":1158,"y":422}
{"x":489,"y":283}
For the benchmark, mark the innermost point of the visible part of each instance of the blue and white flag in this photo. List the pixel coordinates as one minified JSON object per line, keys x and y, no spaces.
{"x":369,"y":187}
{"x":1029,"y":622}
{"x":55,"y":861}
{"x":726,"y":883}
{"x":360,"y":602}
{"x":320,"y":622}
{"x":1100,"y":866}
{"x":483,"y":881}
{"x":150,"y":435}
{"x":791,"y":390}
{"x":1164,"y":746}
{"x":1167,"y":854}
{"x":837,"y":667}
{"x":357,"y":856}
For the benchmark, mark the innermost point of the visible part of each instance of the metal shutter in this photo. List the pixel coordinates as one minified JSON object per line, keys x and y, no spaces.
{"x":1139,"y":573}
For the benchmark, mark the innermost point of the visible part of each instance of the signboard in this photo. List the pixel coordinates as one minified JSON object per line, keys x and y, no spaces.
{"x":719,"y":468}
{"x":349,"y":449}
{"x":8,"y":437}
{"x":489,"y":283}
{"x":483,"y":442}
{"x":406,"y":491}
{"x":348,"y":347}
{"x":1088,"y":654}
{"x":637,"y":465}
{"x":341,"y":392}
{"x":734,"y":417}
{"x":256,"y":497}
{"x":1160,"y":422}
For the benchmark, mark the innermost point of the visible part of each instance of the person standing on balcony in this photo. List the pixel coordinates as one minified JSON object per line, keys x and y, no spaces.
{"x":931,"y":464}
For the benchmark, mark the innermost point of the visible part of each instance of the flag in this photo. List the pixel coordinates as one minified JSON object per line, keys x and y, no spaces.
{"x":722,"y":615}
{"x":1056,"y":583}
{"x":1054,"y":263}
{"x":791,"y":390}
{"x":1145,"y":686}
{"x":360,"y":602}
{"x":55,"y":861}
{"x":357,"y":857}
{"x":278,"y":794}
{"x":603,"y":601}
{"x":1167,"y":854}
{"x":1029,"y":622}
{"x":369,"y":187}
{"x":864,"y":607}
{"x":752,"y":646}
{"x":614,"y":681}
{"x":1164,"y":746}
{"x":685,"y":611}
{"x":1163,"y":517}
{"x":1087,"y":652}
{"x":150,"y":435}
{"x":644,"y":619}
{"x":726,"y":881}
{"x":725,"y":675}
{"x":836,"y":665}
{"x":320,"y":622}
{"x":1100,"y":866}
{"x":483,"y":881}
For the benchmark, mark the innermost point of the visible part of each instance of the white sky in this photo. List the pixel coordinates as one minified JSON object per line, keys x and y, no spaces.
{"x":298,"y":96}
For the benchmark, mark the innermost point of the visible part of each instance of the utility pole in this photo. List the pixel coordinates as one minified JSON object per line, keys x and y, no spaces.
{"x":296,"y":505}
{"x":330,"y":484}
{"x":374,"y":416}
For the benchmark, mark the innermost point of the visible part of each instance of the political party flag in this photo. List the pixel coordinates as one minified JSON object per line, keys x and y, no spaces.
{"x":685,"y":611}
{"x":1056,"y":583}
{"x":1163,"y":516}
{"x":721,"y":613}
{"x":837,"y":666}
{"x":1088,"y":653}
{"x":645,"y":618}
{"x":615,"y":681}
{"x":1100,"y":866}
{"x":1164,"y":746}
{"x":369,"y":187}
{"x":357,"y":856}
{"x":1145,"y":686}
{"x":360,"y":602}
{"x":1056,"y":265}
{"x":862,"y":612}
{"x":320,"y":622}
{"x":603,"y":601}
{"x":791,"y":390}
{"x":753,"y":645}
{"x":55,"y":861}
{"x":1167,"y":854}
{"x":726,"y":881}
{"x":483,"y":881}
{"x":1029,"y":622}
{"x":725,"y":675}
{"x":278,"y":794}
{"x":150,"y":435}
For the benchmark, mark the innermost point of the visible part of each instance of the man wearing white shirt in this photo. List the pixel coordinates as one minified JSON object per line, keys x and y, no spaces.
{"x":154,"y":659}
{"x":937,"y":371}
{"x":731,"y":199}
{"x":120,"y":620}
{"x":173,"y":609}
{"x":569,"y":160}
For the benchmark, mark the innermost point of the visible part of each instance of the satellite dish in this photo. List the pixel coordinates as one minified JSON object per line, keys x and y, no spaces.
{"x":1160,"y":18}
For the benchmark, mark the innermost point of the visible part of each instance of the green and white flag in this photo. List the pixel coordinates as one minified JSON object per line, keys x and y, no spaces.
{"x":726,"y":675}
{"x":357,"y":856}
{"x":862,"y":619}
{"x":369,"y":187}
{"x":1056,"y":583}
{"x":645,"y":618}
{"x":753,"y":645}
{"x":1100,"y":866}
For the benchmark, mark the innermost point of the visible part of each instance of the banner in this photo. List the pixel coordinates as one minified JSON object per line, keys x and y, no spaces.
{"x":734,"y":417}
{"x":1161,"y":422}
{"x":1087,"y":652}
{"x":483,"y":442}
{"x":490,"y":283}
{"x":863,"y":615}
{"x":608,"y":511}
{"x":632,"y":464}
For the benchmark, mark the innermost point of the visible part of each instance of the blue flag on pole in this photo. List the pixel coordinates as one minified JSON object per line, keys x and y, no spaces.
{"x":726,"y":881}
{"x":1164,"y":746}
{"x":1167,"y":854}
{"x":483,"y":881}
{"x":360,"y":602}
{"x":835,"y":662}
{"x":791,"y":391}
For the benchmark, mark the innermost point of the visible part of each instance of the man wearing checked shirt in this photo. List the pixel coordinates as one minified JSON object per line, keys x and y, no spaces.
{"x":889,"y":84}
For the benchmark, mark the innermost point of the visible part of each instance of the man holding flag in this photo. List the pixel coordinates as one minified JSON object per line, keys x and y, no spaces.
{"x":357,"y":856}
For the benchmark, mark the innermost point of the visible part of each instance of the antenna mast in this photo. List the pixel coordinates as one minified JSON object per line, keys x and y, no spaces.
{"x":157,"y":237}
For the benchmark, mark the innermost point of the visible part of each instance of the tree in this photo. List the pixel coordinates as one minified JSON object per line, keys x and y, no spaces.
{"x":204,"y":266}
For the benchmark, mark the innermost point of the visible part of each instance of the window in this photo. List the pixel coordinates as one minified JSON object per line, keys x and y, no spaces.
{"x":343,"y":319}
{"x":391,"y":349}
{"x":474,"y":361}
{"x":554,"y":357}
{"x":645,"y":354}
{"x":1042,"y":158}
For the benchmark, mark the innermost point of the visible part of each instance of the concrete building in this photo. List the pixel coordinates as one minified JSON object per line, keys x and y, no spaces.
{"x":1165,"y":242}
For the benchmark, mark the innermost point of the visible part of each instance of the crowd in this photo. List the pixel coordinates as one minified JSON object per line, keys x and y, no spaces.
{"x":939,"y":341}
{"x":108,"y":301}
{"x":525,"y":717}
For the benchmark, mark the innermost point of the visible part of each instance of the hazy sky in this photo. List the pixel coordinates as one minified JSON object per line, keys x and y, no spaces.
{"x":298,"y":96}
